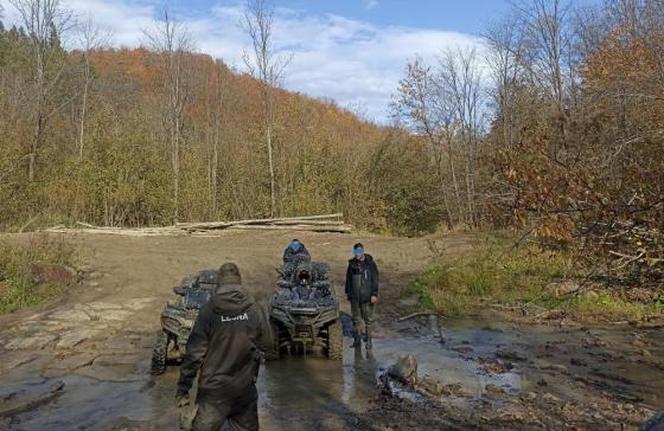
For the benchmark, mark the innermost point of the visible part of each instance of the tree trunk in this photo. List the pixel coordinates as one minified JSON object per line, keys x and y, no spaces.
{"x":81,"y":132}
{"x":273,"y":199}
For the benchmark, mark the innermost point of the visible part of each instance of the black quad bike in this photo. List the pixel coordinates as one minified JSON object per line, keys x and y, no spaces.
{"x":178,"y":317}
{"x":304,"y":310}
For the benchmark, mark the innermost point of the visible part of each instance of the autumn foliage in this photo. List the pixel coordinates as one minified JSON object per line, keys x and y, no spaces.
{"x":325,"y":157}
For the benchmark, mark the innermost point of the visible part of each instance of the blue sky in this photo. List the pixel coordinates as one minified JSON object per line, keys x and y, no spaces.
{"x":351,"y":51}
{"x":469,"y":16}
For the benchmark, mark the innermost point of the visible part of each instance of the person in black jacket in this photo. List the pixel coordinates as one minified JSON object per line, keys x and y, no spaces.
{"x":225,"y":345}
{"x":362,"y":292}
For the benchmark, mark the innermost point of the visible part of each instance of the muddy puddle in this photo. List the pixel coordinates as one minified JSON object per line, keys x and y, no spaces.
{"x":475,"y":360}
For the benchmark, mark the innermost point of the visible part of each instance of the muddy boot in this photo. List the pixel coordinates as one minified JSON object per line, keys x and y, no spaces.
{"x":368,"y":343}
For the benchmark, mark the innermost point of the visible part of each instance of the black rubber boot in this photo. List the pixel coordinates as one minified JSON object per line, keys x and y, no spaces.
{"x":357,"y":342}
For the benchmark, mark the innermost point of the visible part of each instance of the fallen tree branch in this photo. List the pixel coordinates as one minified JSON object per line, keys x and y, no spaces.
{"x":316,"y":223}
{"x":223,"y":225}
{"x":420,"y":314}
{"x":333,"y":229}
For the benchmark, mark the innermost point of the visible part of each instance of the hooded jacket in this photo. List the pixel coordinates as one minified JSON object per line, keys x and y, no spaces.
{"x":361,"y":279}
{"x":225,"y":343}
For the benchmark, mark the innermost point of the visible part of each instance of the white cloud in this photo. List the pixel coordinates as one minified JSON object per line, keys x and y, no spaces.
{"x":353,"y":62}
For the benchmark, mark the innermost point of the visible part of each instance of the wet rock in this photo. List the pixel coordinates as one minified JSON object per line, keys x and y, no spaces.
{"x":75,"y":337}
{"x":592,"y":341}
{"x":494,"y":392}
{"x":12,"y":363}
{"x":404,"y":370}
{"x":510,"y":355}
{"x":550,"y":398}
{"x":578,"y":362}
{"x":113,"y":360}
{"x":36,"y":342}
{"x":73,"y":316}
{"x":431,"y":386}
{"x":33,"y":326}
{"x":16,"y":403}
{"x":72,"y":362}
{"x":558,"y":368}
{"x":464,"y":350}
{"x":456,"y":390}
{"x":113,"y":315}
{"x":495,"y":366}
{"x":66,"y":365}
{"x":119,"y":373}
{"x":529,"y":397}
{"x":639,"y":341}
{"x":140,"y":303}
{"x":118,"y":345}
{"x":103,"y":306}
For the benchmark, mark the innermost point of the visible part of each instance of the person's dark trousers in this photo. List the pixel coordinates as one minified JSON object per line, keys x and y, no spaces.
{"x":241,"y":413}
{"x":363,"y":313}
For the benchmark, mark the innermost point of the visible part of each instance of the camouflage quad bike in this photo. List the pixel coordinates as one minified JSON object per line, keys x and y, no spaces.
{"x":178,"y":317}
{"x":304,"y":310}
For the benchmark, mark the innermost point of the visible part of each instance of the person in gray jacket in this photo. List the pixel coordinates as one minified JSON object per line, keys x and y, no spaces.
{"x":362,"y":292}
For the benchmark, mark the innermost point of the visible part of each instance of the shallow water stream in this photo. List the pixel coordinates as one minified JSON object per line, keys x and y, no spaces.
{"x":475,"y":358}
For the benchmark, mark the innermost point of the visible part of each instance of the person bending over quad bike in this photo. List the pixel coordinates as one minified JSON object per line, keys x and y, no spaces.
{"x":296,"y":251}
{"x":304,"y":310}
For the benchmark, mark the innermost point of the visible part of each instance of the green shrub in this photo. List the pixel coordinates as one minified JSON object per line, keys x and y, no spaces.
{"x":18,"y":289}
{"x":492,"y":272}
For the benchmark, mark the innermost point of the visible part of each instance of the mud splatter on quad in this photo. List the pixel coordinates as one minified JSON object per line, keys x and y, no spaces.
{"x":178,"y":317}
{"x":304,"y":310}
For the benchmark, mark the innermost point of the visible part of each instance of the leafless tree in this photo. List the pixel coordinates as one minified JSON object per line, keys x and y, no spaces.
{"x":506,"y":45}
{"x":172,"y":41}
{"x":268,"y":65}
{"x":420,"y":106}
{"x":460,"y":83}
{"x":547,"y":43}
{"x":44,"y":21}
{"x":91,"y":38}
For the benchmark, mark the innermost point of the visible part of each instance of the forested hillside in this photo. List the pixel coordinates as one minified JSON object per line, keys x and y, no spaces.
{"x":87,"y":136}
{"x":553,"y":127}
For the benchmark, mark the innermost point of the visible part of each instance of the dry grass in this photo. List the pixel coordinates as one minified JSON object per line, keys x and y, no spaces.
{"x":494,"y":272}
{"x":18,"y":289}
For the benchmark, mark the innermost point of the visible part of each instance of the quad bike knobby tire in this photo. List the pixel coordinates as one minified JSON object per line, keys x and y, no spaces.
{"x":274,"y":353}
{"x":335,"y":341}
{"x":159,"y":354}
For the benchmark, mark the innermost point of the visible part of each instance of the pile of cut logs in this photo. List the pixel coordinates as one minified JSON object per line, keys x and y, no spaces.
{"x":315,"y":223}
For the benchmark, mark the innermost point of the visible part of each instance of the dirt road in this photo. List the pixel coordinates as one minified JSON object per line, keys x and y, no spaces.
{"x":82,"y":362}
